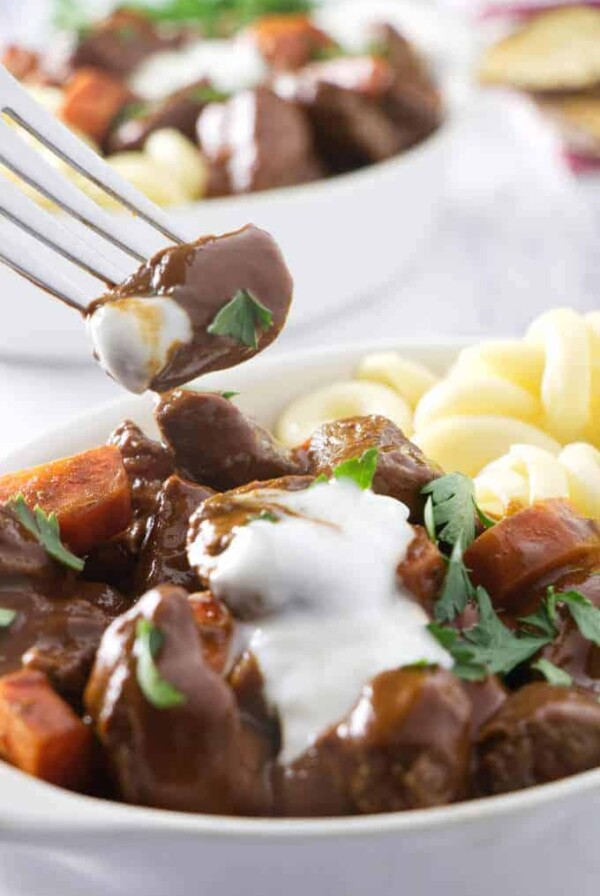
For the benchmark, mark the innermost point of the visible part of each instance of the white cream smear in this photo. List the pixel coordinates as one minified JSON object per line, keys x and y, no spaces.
{"x":133,"y":338}
{"x":230,"y":65}
{"x":334,"y":615}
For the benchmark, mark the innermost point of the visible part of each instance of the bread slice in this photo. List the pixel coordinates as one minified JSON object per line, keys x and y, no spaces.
{"x":558,"y":50}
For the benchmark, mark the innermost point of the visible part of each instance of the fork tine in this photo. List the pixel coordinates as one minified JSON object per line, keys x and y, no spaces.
{"x":26,"y":257}
{"x":54,"y":135}
{"x":27,"y":215}
{"x":26,"y":162}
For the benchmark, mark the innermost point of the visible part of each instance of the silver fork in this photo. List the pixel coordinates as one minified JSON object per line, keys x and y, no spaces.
{"x":80,"y":246}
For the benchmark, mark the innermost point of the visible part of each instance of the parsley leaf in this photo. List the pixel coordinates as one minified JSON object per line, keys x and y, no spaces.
{"x":7,"y":617}
{"x":585,"y":615}
{"x":229,"y":395}
{"x":489,"y":647}
{"x":552,"y":673}
{"x":206,"y":93}
{"x":465,"y":664}
{"x":211,"y":13}
{"x":46,"y":529}
{"x":453,"y":510}
{"x":158,"y":692}
{"x":457,"y":590}
{"x":265,"y":516}
{"x":495,"y":646}
{"x":360,"y":469}
{"x":242,"y":318}
{"x":486,"y":521}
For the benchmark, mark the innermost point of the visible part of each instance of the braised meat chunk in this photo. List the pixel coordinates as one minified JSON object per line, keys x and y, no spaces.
{"x":58,"y":620}
{"x":350,"y":131}
{"x":402,"y":469}
{"x":186,"y":750}
{"x":192,"y":308}
{"x":405,"y":745}
{"x":148,"y":464}
{"x":571,"y":651}
{"x":257,"y":141}
{"x":517,"y":558}
{"x":120,"y":42}
{"x":216,"y":445}
{"x":541,"y":733}
{"x":163,"y":559}
{"x":413,"y":100}
{"x":179,"y":111}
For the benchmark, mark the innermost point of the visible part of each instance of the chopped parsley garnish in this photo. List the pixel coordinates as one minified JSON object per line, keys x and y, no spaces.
{"x":457,"y":590}
{"x":206,"y":93}
{"x":553,"y":674}
{"x":7,"y":617}
{"x":360,"y":470}
{"x":264,"y":516}
{"x":449,"y":516}
{"x":211,"y":13}
{"x":452,"y":508}
{"x":585,"y":615}
{"x":160,"y":693}
{"x":242,"y":319}
{"x":229,"y":395}
{"x":490,"y":647}
{"x":46,"y":529}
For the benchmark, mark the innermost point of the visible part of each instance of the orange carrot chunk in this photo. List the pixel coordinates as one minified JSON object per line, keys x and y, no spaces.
{"x":288,"y":42}
{"x":40,"y":733}
{"x":89,"y":493}
{"x":92,"y":101}
{"x":515,"y":555}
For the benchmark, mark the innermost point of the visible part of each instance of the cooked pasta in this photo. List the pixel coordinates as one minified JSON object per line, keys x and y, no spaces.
{"x":504,"y":410}
{"x":526,"y":474}
{"x":169,"y":170}
{"x":344,"y":399}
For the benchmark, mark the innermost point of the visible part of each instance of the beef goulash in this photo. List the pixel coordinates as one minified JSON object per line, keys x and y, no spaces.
{"x":216,"y":105}
{"x":214,"y":623}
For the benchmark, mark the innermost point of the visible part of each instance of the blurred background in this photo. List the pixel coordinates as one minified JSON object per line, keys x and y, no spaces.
{"x":517,"y":196}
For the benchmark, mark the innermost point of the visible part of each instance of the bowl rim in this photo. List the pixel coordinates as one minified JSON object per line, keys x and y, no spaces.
{"x":60,"y":810}
{"x":336,"y":183}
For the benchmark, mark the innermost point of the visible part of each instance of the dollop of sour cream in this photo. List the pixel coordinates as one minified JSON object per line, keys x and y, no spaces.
{"x":133,"y":338}
{"x":332,"y":612}
{"x":230,"y":65}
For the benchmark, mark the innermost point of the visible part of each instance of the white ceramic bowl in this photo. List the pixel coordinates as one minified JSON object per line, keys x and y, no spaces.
{"x":343,"y":239}
{"x":539,"y":842}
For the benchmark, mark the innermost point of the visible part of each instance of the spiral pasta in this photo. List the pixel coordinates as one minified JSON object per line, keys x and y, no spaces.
{"x":526,"y":474}
{"x":514,"y":403}
{"x":169,"y":170}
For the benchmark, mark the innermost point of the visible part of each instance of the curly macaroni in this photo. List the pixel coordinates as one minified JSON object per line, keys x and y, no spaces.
{"x":527,"y":474}
{"x":169,"y":170}
{"x":502,"y":413}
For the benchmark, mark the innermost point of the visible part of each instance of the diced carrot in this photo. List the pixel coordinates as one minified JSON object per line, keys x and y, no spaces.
{"x":524,"y":549}
{"x":288,"y":42}
{"x":89,"y":492}
{"x":20,"y":62}
{"x":40,"y":733}
{"x":92,"y":101}
{"x":215,"y":628}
